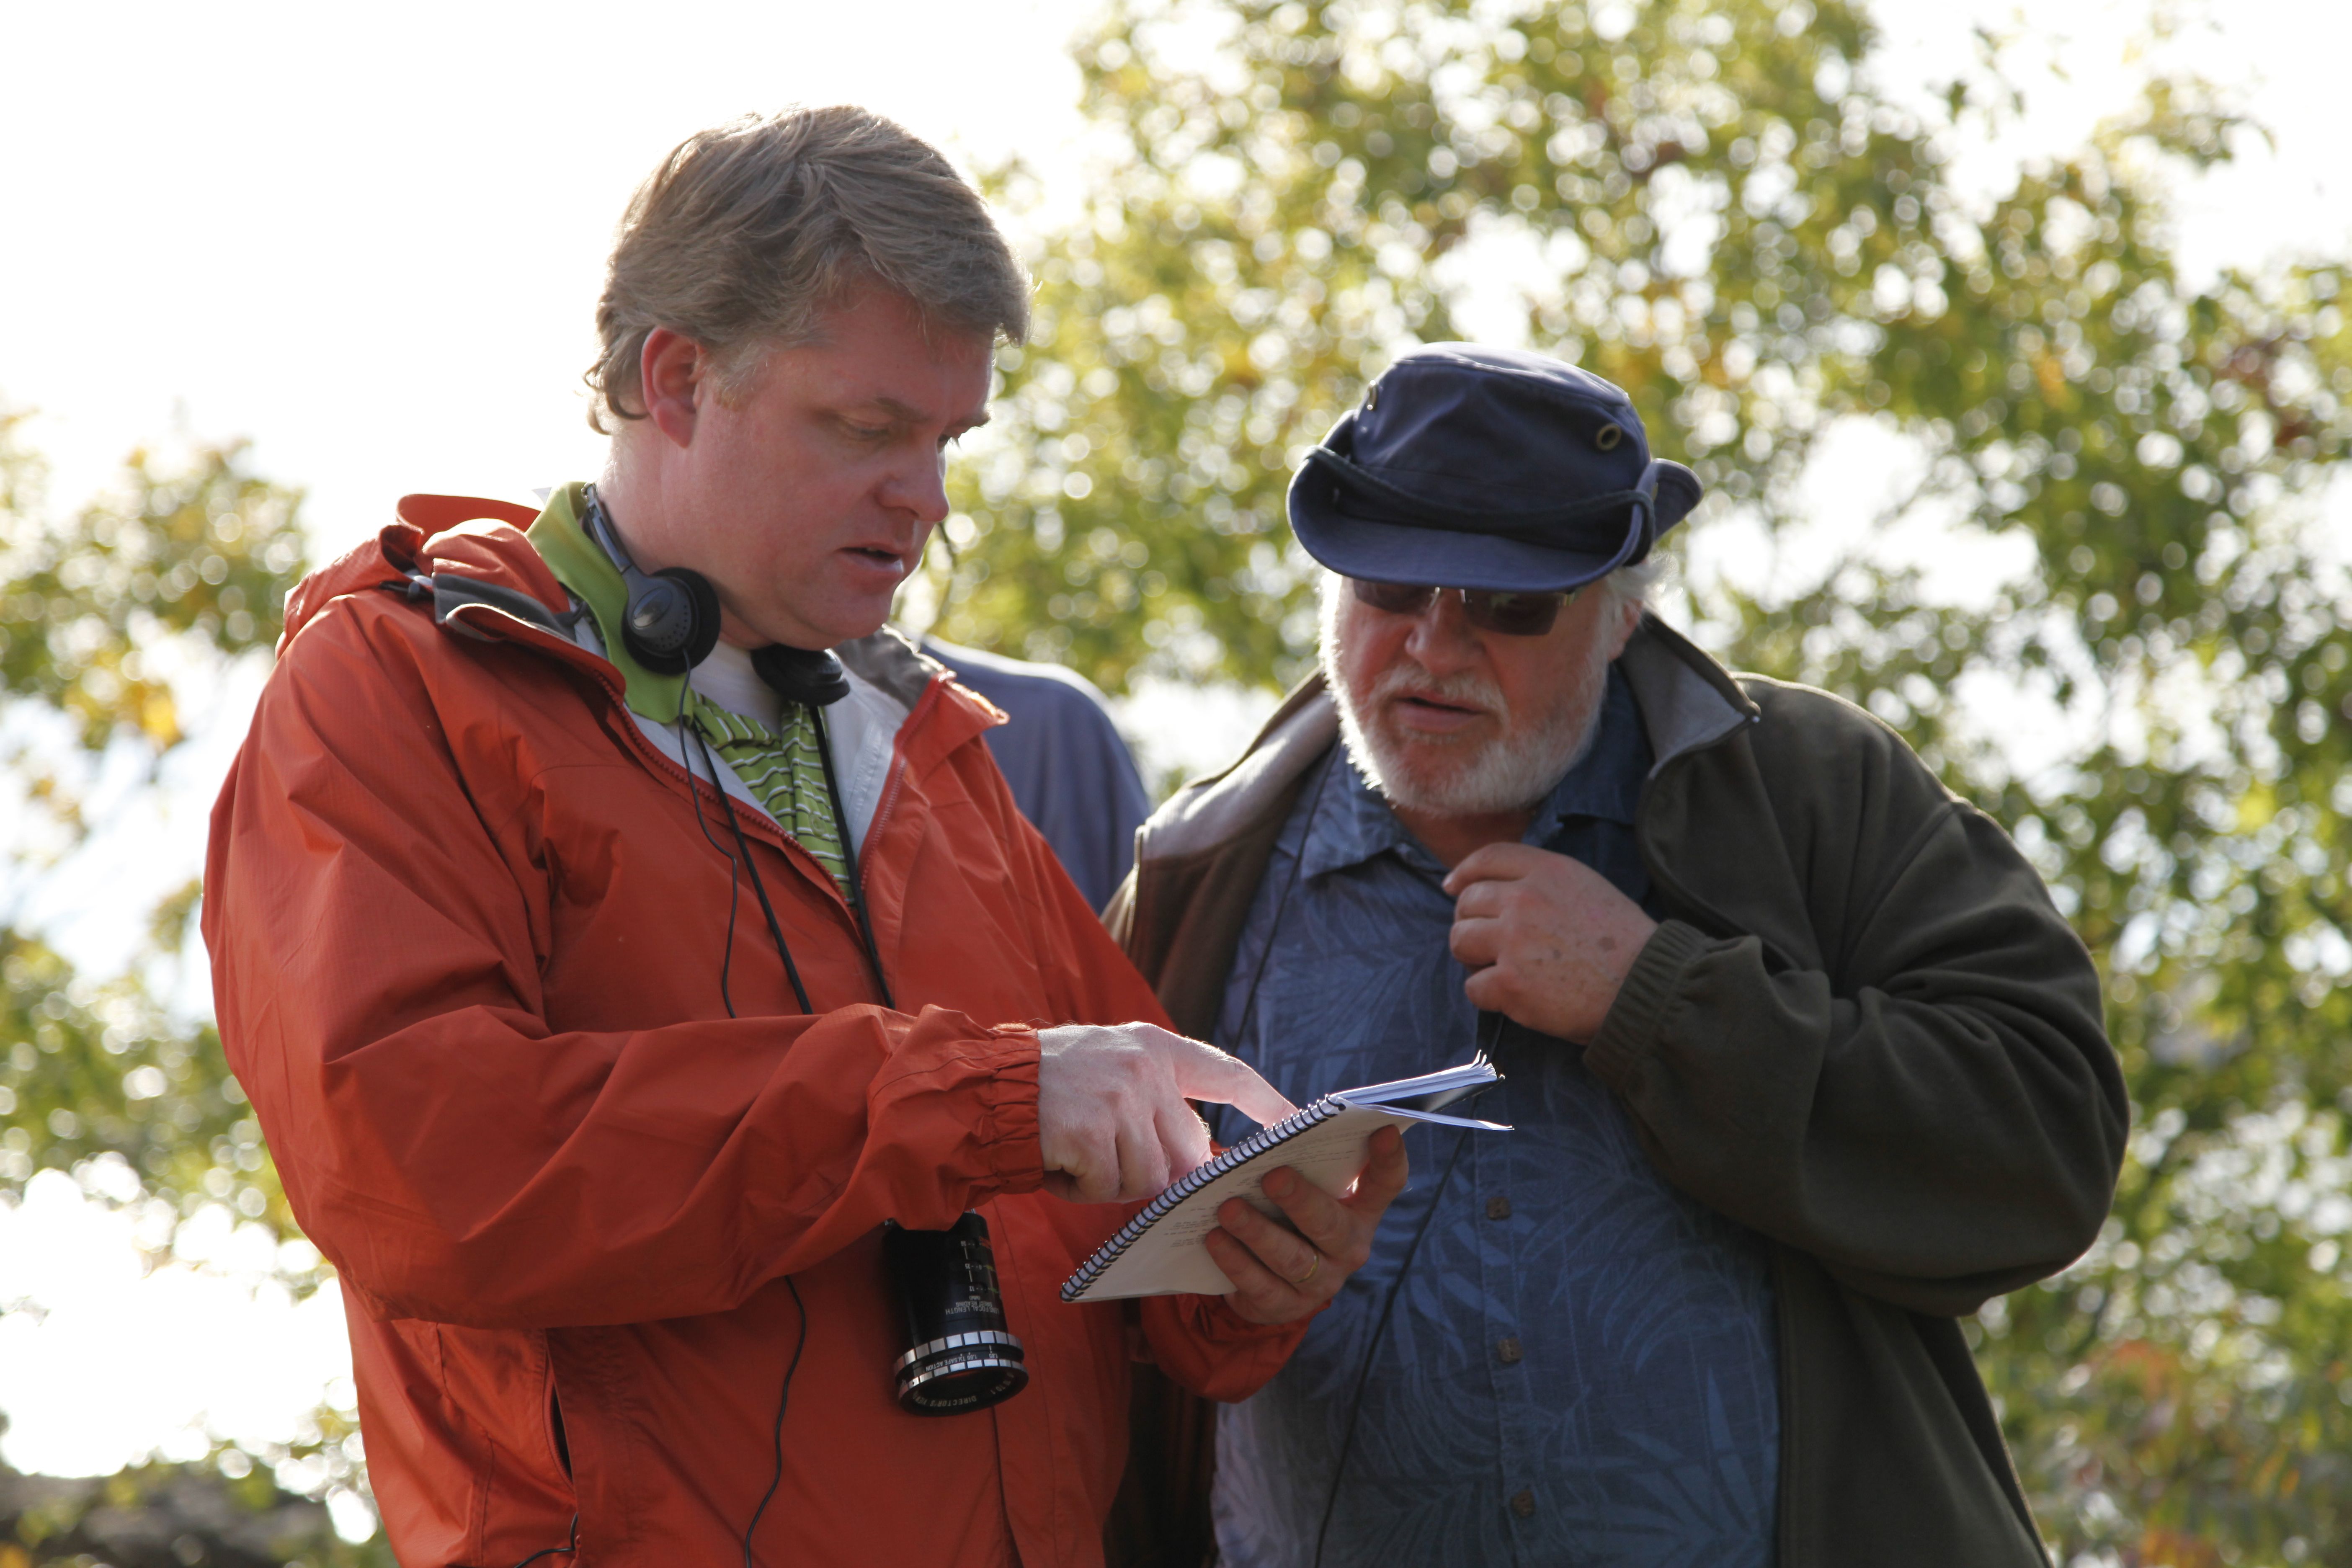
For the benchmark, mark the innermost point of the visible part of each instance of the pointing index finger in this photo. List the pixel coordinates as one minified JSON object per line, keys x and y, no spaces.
{"x":1204,"y":1072}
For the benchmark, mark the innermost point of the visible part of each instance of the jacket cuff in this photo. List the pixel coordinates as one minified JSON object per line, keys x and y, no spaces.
{"x":1639,"y":1012}
{"x":1212,"y":1350}
{"x":1007,"y":1130}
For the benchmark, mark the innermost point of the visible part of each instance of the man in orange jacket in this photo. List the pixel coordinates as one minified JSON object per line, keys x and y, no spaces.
{"x":610,"y":967}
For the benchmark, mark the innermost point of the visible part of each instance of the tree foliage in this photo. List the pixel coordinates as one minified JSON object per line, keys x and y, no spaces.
{"x":1768,"y":252}
{"x":167,"y":1516}
{"x":106,"y":618}
{"x":197,"y":549}
{"x":111,"y":619}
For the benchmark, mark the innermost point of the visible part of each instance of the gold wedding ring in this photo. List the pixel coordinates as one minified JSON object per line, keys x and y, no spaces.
{"x":1312,"y":1267}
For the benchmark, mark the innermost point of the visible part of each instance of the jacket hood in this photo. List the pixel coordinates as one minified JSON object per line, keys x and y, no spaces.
{"x":490,"y":578}
{"x":477,"y":539}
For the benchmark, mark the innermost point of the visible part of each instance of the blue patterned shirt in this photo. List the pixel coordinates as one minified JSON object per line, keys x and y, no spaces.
{"x":1580,"y":1365}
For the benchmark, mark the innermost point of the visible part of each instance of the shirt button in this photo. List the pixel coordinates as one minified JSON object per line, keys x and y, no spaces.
{"x":1507,"y":1348}
{"x":1524,"y":1504}
{"x":1499,"y":1207}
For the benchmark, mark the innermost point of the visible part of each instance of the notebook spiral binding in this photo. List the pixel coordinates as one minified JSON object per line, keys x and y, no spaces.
{"x":1248,"y":1149}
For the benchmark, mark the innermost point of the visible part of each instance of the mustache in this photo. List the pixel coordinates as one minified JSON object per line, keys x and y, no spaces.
{"x":1466,"y":688}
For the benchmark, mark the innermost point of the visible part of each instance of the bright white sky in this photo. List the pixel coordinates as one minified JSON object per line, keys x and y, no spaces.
{"x":370,"y":238}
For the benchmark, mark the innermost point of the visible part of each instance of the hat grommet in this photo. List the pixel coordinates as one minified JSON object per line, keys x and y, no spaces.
{"x":1607,"y":438}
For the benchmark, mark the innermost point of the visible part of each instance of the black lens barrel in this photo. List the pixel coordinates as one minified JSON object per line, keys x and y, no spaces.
{"x":960,"y":1354}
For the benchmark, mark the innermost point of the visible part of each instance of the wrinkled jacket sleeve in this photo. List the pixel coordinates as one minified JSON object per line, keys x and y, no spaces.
{"x":1932,"y":1109}
{"x":1199,"y":1342}
{"x":460,"y":1160}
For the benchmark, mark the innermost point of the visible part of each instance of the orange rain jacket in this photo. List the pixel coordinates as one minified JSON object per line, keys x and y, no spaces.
{"x":465,"y":935}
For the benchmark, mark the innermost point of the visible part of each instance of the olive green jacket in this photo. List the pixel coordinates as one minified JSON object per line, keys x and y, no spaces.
{"x":1863,"y":1031}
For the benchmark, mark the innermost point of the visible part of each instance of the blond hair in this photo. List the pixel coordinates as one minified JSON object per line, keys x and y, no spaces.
{"x":748,"y":232}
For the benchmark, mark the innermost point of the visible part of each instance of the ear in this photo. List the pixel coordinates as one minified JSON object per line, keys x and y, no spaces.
{"x":671,"y":373}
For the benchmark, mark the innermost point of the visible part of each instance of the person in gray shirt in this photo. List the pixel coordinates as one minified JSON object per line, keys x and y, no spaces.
{"x":1072,"y":774}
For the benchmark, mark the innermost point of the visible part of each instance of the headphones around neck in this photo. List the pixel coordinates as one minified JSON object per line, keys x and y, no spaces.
{"x":670,"y":624}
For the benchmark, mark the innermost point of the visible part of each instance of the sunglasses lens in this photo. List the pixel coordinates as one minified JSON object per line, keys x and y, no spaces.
{"x":1514,"y":615}
{"x":1396,"y":599}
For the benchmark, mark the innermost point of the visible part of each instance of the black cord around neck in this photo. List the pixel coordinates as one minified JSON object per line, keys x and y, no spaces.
{"x":799,"y":993}
{"x":1371,"y":1350}
{"x":1490,"y":1034}
{"x":737,"y":864}
{"x":759,"y":888}
{"x":849,"y":856}
{"x":1337,"y":759}
{"x":734,"y":868}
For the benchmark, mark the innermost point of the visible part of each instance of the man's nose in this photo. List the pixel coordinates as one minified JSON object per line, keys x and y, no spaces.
{"x":920,"y":486}
{"x":1441,"y":640}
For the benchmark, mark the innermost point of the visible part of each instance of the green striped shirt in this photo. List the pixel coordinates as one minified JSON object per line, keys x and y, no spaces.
{"x":784,"y":772}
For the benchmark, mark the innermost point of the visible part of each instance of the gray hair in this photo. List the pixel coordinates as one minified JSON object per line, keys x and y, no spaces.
{"x":748,"y":232}
{"x":1631,"y":584}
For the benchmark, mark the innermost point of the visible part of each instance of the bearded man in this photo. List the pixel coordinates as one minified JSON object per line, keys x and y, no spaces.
{"x":1803,"y":1064}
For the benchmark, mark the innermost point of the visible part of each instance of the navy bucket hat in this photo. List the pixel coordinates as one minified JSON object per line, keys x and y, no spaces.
{"x":1483,"y":467}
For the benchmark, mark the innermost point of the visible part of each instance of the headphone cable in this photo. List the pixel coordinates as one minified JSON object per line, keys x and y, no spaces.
{"x":569,"y":1549}
{"x":737,"y":864}
{"x":800,"y":992}
{"x":734,"y":871}
{"x":776,"y":1434}
{"x":849,"y":854}
{"x":759,"y":888}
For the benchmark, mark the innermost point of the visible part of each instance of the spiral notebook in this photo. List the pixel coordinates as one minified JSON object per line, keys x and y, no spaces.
{"x":1160,"y":1251}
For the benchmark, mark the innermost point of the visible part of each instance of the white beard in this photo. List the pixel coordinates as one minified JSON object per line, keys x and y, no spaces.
{"x":1510,"y":773}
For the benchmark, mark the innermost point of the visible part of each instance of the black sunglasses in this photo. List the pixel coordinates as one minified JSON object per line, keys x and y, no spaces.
{"x":1514,"y":615}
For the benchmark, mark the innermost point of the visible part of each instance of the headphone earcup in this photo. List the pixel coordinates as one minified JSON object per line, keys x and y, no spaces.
{"x":671,"y":623}
{"x":811,"y":676}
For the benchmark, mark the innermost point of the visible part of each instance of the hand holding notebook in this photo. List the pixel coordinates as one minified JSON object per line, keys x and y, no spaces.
{"x":1159,"y":1252}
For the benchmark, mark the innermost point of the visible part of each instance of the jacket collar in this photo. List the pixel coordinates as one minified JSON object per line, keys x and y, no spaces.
{"x":1687,"y":702}
{"x":596,"y":582}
